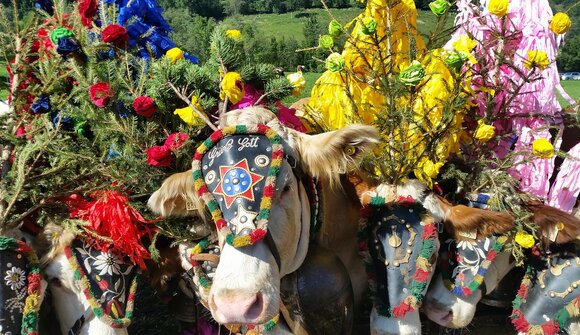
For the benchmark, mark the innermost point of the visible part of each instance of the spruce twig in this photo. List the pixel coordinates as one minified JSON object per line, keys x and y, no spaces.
{"x":200,"y":114}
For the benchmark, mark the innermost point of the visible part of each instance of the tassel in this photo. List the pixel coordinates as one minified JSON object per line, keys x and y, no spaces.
{"x":401,"y":310}
{"x":550,"y":328}
{"x":111,"y":216}
{"x":421,"y":275}
{"x":520,"y":323}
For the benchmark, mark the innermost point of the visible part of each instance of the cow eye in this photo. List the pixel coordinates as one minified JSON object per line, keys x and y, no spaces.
{"x":286,"y":188}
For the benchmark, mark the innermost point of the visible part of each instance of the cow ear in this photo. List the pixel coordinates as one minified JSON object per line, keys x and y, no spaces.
{"x":471,"y":223}
{"x":176,"y":197}
{"x":51,"y":242}
{"x":329,"y":154}
{"x":556,"y":226}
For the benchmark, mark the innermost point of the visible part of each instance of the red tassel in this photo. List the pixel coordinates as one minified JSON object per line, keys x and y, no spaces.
{"x":269,"y":191}
{"x":401,"y":310}
{"x":257,"y":235}
{"x":550,"y":328}
{"x":520,"y":323}
{"x":111,"y":216}
{"x":523,"y":291}
{"x":491,"y":255}
{"x":421,"y":275}
{"x":466,"y":291}
{"x":430,"y":231}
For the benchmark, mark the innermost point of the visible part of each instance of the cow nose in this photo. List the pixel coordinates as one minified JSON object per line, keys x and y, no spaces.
{"x":237,"y":308}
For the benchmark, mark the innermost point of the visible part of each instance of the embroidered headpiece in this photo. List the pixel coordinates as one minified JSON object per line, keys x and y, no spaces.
{"x":464,"y":264}
{"x":108,"y":282}
{"x":398,"y":243}
{"x":235,"y":172}
{"x":20,"y":287}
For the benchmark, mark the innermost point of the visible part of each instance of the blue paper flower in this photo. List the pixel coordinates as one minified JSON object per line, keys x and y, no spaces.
{"x":66,"y":122}
{"x":41,"y":105}
{"x":112,"y":153}
{"x":45,"y":5}
{"x":105,"y":54}
{"x":66,"y":46}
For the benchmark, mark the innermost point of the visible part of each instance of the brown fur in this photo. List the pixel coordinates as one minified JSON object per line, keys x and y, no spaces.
{"x":547,"y":217}
{"x":51,"y":242}
{"x":172,"y":197}
{"x":362,"y":186}
{"x":166,"y":267}
{"x":465,"y":219}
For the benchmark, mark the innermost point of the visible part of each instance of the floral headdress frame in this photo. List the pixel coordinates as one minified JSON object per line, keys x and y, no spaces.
{"x":263,"y":215}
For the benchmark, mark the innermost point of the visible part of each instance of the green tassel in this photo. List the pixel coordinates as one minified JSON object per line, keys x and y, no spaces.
{"x":240,"y":128}
{"x":204,"y":282}
{"x":562,"y":317}
{"x":427,"y":248}
{"x":377,"y":201}
{"x":8,"y":243}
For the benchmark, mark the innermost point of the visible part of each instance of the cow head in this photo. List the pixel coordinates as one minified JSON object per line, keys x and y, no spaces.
{"x":253,"y":177}
{"x":400,"y":234}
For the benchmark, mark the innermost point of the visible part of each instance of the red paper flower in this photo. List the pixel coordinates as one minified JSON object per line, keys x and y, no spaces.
{"x":176,"y":140}
{"x":116,"y":35}
{"x":87,"y":9}
{"x":144,"y":106}
{"x":159,"y":156}
{"x":100,"y":94}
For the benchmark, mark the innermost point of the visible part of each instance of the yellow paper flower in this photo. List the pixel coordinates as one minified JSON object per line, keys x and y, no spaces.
{"x":536,"y":58}
{"x":525,"y":240}
{"x":498,"y":7}
{"x":464,"y":45}
{"x":174,"y":54}
{"x":298,"y":82}
{"x":234,"y":34}
{"x":232,"y":87}
{"x":484,"y":132}
{"x":543,"y":148}
{"x":431,"y":169}
{"x":560,"y":23}
{"x":188,"y":115}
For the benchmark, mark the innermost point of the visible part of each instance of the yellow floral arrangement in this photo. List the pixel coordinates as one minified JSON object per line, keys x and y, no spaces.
{"x":386,"y":76}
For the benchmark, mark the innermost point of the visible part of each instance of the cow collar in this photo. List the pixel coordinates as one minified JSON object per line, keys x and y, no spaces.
{"x":21,"y":293}
{"x":401,"y":225}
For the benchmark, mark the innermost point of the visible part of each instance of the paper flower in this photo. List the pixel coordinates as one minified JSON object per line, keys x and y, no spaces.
{"x":542,"y":148}
{"x":334,"y":28}
{"x":176,"y":140}
{"x":455,"y":59}
{"x":59,"y":33}
{"x":232,"y":86}
{"x":525,"y":240}
{"x":188,"y":115}
{"x":175,"y":54}
{"x":41,"y":105}
{"x":536,"y":58}
{"x":334,"y":62}
{"x":116,"y":35}
{"x":369,"y":25}
{"x":431,"y":169}
{"x":484,"y":132}
{"x":67,"y":46}
{"x":159,"y":156}
{"x":498,"y":7}
{"x":234,"y":34}
{"x":325,"y":42}
{"x":100,"y":94}
{"x":412,"y":74}
{"x":560,"y":23}
{"x":439,"y":7}
{"x":144,"y":106}
{"x":298,"y":82}
{"x":88,"y":9}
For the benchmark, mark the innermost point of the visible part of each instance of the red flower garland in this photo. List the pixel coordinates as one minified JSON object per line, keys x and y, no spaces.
{"x":144,"y":106}
{"x":101,"y":94}
{"x":116,"y":35}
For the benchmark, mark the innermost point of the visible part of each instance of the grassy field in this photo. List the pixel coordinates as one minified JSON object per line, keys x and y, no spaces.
{"x":572,"y":87}
{"x":290,"y":25}
{"x":3,"y":79}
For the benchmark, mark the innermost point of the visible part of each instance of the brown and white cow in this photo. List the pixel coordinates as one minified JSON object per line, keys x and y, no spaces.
{"x":246,"y":284}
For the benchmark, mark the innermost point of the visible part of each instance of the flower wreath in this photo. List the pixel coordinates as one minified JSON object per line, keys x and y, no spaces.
{"x":424,"y":269}
{"x":32,"y":302}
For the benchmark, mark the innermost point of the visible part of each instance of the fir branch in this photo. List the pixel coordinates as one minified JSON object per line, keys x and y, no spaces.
{"x":188,"y":101}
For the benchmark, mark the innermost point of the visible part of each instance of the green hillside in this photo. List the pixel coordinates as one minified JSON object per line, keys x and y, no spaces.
{"x":290,"y":25}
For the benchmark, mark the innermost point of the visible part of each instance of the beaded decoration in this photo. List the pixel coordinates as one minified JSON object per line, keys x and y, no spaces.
{"x":204,"y":193}
{"x":370,"y":220}
{"x":33,"y":298}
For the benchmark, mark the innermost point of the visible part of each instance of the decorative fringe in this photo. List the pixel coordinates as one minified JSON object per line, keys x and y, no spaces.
{"x":550,"y":328}
{"x":401,"y":310}
{"x":111,"y":216}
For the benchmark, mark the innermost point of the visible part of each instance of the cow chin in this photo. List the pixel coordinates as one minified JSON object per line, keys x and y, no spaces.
{"x":448,"y":310}
{"x":246,"y":286}
{"x":409,"y":325}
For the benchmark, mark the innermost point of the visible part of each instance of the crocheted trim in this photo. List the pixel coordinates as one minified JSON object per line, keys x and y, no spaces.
{"x":424,"y":268}
{"x":266,"y":203}
{"x":80,"y":276}
{"x":552,"y":327}
{"x":463,"y":290}
{"x":32,"y":302}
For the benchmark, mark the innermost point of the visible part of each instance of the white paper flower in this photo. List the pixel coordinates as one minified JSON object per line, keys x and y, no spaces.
{"x":15,"y":278}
